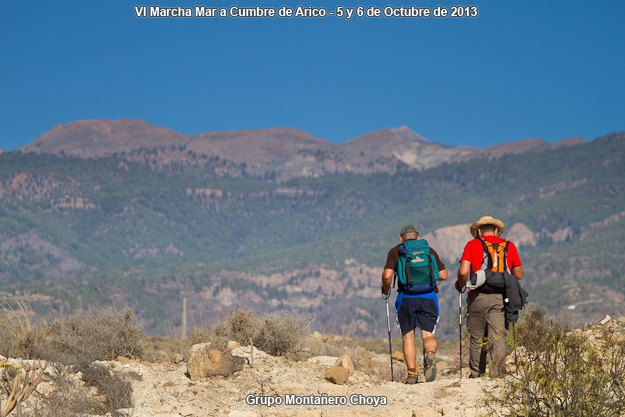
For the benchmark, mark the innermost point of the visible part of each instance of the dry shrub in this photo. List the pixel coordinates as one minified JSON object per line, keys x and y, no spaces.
{"x":78,"y":339}
{"x":240,"y":326}
{"x":20,"y":333}
{"x":113,"y":386}
{"x":207,"y":335}
{"x":562,"y":372}
{"x":281,"y":333}
{"x":68,"y":400}
{"x":276,"y":334}
{"x":94,"y":335}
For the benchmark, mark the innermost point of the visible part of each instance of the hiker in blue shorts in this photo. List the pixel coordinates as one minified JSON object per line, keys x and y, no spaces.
{"x":418,"y":267}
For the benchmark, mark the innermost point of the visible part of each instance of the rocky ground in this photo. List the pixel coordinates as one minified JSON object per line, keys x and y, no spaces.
{"x":166,"y":389}
{"x":246,"y":382}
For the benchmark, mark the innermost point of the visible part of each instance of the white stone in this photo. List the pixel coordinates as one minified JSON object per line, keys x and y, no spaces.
{"x":324,"y":361}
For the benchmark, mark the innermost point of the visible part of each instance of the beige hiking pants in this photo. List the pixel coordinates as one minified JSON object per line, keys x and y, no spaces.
{"x":487,"y":333}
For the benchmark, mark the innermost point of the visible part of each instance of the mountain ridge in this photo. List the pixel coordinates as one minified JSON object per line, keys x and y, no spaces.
{"x":280,"y":153}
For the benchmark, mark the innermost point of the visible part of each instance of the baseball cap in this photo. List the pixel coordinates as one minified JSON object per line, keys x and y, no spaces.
{"x":408,"y":229}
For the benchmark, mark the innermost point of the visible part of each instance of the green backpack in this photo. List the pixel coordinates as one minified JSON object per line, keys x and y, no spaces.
{"x":417,"y":270}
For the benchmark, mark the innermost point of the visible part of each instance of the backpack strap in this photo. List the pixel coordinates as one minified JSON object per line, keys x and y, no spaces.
{"x":504,"y":257}
{"x":431,"y":269}
{"x":407,"y":271}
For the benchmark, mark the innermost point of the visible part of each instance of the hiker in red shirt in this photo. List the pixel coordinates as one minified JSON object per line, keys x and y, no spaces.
{"x":484,"y":261}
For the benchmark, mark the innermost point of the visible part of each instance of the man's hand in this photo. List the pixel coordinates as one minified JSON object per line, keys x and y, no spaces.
{"x":463,"y":275}
{"x":387,"y":279}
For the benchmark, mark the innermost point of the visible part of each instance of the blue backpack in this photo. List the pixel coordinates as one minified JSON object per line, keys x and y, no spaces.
{"x":417,"y":269}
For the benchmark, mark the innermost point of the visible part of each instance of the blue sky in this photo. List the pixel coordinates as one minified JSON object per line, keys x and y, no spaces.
{"x":548,"y":69}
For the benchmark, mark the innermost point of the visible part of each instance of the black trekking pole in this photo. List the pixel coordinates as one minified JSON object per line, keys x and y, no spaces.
{"x":388,"y":324}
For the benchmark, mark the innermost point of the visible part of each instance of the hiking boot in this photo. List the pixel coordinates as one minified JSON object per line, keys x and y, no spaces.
{"x":429,"y":367}
{"x":411,"y":379}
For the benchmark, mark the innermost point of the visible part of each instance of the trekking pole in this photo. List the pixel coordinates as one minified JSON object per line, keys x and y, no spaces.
{"x":460,"y":327}
{"x":388,"y":324}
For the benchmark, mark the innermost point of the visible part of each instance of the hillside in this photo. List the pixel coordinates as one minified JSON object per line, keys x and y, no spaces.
{"x":77,"y":231}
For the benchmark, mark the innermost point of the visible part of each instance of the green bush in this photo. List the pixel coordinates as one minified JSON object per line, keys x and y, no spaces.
{"x":562,"y":372}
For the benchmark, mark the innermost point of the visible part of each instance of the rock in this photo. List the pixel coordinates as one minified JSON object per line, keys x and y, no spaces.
{"x":198,"y":348}
{"x":324,"y":361}
{"x":212,"y":362}
{"x":44,"y":388}
{"x":168,"y":384}
{"x":605,"y":320}
{"x":122,"y":412}
{"x":134,"y":376}
{"x":157,"y":356}
{"x":123,"y":360}
{"x":317,"y":336}
{"x":337,"y":375}
{"x":346,"y":362}
{"x":381,"y":358}
{"x":233,"y":345}
{"x":398,"y":356}
{"x":178,"y":358}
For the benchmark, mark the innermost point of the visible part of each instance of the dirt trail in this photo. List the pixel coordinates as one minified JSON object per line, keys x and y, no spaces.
{"x":162,"y":390}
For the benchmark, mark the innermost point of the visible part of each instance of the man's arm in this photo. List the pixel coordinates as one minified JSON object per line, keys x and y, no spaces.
{"x":387,"y":280}
{"x":442,"y":275}
{"x":463,"y":274}
{"x":517,"y":271}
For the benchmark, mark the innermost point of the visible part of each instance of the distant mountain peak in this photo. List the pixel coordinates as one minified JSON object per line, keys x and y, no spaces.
{"x":407,"y":134}
{"x":612,"y":137}
{"x":578,"y":140}
{"x":94,"y":138}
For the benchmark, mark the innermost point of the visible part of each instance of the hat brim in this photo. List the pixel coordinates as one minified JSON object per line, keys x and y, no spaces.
{"x":483,"y":222}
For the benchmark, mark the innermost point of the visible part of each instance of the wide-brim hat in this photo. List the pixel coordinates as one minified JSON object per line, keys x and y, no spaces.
{"x":483,"y":221}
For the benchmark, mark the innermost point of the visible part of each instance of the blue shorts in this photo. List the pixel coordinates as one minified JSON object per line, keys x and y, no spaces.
{"x":417,"y":311}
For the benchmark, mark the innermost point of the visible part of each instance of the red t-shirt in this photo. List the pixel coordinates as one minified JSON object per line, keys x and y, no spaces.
{"x":474,"y":253}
